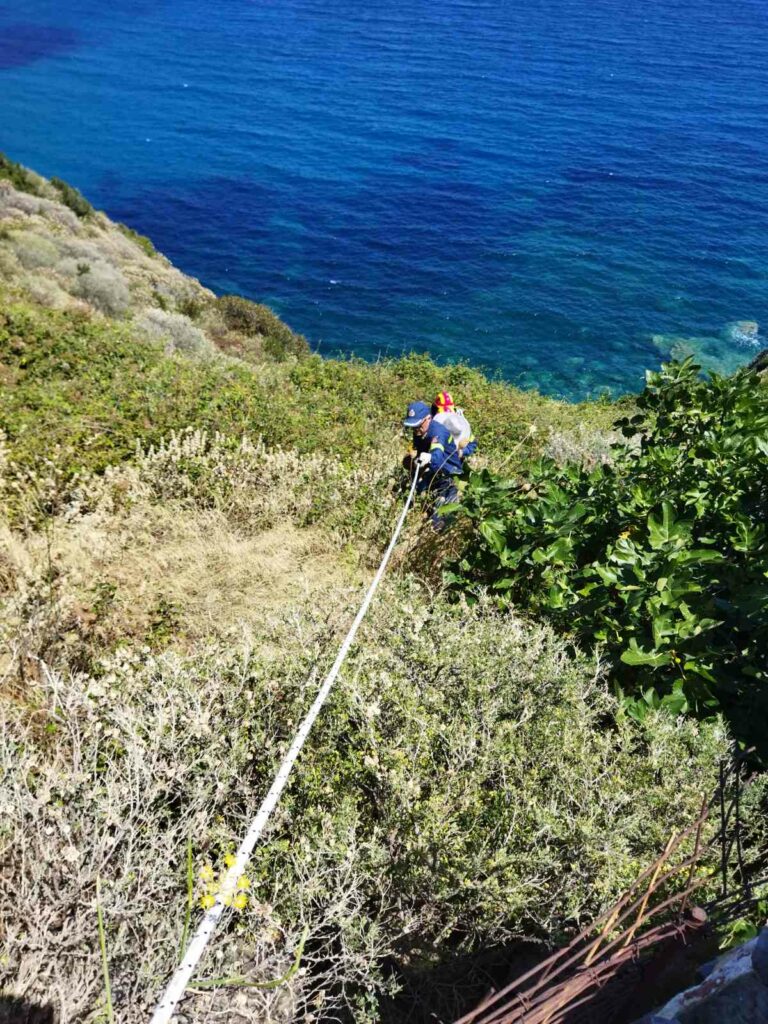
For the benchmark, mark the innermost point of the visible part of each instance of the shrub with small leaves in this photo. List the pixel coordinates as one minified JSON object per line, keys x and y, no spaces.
{"x":34,"y":251}
{"x":141,"y":240}
{"x":104,"y":287}
{"x":584,"y":446}
{"x":177,"y":331}
{"x":251,"y":318}
{"x":90,"y":390}
{"x":72,"y":198}
{"x":258,"y":487}
{"x":467,"y":783}
{"x":21,"y":177}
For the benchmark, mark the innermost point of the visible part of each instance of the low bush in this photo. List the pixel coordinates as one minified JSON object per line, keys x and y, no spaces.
{"x":83,"y":393}
{"x":142,"y":241}
{"x":34,"y":251}
{"x":257,"y":487}
{"x":511,"y":425}
{"x":177,"y":332}
{"x":585,"y":446}
{"x":192,"y":306}
{"x":461,"y":787}
{"x":103,"y":286}
{"x":9,"y":264}
{"x":76,"y":250}
{"x":251,"y":318}
{"x":45,"y":291}
{"x":21,"y":177}
{"x":661,"y":557}
{"x":72,"y":198}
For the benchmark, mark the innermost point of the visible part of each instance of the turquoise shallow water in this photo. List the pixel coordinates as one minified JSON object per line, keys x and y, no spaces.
{"x":553,"y":190}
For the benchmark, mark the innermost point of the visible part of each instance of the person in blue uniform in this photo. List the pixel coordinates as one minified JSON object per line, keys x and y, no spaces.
{"x":437,"y":458}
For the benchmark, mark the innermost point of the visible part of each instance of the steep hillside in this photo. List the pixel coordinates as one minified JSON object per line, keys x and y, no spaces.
{"x":190,"y":504}
{"x":56,"y":250}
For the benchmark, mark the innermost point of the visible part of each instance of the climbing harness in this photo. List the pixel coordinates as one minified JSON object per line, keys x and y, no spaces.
{"x":176,"y":987}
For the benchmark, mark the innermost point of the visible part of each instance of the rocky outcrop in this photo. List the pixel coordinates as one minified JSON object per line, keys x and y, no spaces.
{"x":734,"y":990}
{"x":744,"y":332}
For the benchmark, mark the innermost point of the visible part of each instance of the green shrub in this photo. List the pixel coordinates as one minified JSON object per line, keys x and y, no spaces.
{"x":20,"y":177}
{"x":192,"y":306}
{"x":282,"y":347}
{"x":141,"y":240}
{"x":72,"y":198}
{"x":248,"y":317}
{"x":511,"y":425}
{"x":251,"y":318}
{"x":460,"y":788}
{"x":83,"y":392}
{"x":662,"y":557}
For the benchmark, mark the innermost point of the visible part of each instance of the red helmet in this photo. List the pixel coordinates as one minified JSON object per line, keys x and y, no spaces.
{"x":444,"y":402}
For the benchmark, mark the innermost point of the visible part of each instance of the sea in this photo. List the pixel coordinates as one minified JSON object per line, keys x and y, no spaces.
{"x":563,"y":192}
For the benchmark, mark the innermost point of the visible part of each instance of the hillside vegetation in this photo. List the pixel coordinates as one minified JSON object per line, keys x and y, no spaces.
{"x":660,"y":556}
{"x":185,"y":530}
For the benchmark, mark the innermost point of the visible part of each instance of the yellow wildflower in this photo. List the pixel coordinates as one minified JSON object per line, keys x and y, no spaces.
{"x":207,"y":901}
{"x":240,"y":902}
{"x":243,"y":882}
{"x":206,"y":874}
{"x":230,"y":859}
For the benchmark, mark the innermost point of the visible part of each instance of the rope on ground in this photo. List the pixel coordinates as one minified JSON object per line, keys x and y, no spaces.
{"x":177,"y":985}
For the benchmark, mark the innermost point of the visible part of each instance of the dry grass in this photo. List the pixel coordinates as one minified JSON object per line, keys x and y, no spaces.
{"x":120,"y":570}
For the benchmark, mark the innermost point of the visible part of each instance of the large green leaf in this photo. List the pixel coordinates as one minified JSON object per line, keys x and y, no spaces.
{"x":635,"y":655}
{"x":492,"y":531}
{"x":666,"y":529}
{"x":662,"y":556}
{"x":663,"y":626}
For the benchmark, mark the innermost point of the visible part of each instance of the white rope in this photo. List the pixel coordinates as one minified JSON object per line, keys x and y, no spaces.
{"x":178,"y":983}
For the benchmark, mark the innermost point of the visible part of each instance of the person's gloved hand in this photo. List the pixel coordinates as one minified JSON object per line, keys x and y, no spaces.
{"x":423,"y":460}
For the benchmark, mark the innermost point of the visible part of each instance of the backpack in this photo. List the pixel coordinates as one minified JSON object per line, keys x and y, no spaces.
{"x":457,"y":423}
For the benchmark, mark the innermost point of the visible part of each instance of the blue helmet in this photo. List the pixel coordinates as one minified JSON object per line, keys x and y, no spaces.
{"x":417,"y":411}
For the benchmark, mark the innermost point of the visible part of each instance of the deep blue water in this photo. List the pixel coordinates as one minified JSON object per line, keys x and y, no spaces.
{"x":537,"y":187}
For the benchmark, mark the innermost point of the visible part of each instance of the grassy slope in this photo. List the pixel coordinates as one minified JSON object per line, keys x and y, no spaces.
{"x":88,"y":390}
{"x":463,"y":786}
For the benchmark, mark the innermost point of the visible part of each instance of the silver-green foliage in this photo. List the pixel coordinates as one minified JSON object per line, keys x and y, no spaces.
{"x":177,"y":332}
{"x":467,"y":780}
{"x":258,"y":487}
{"x":103,"y":286}
{"x":33,"y":251}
